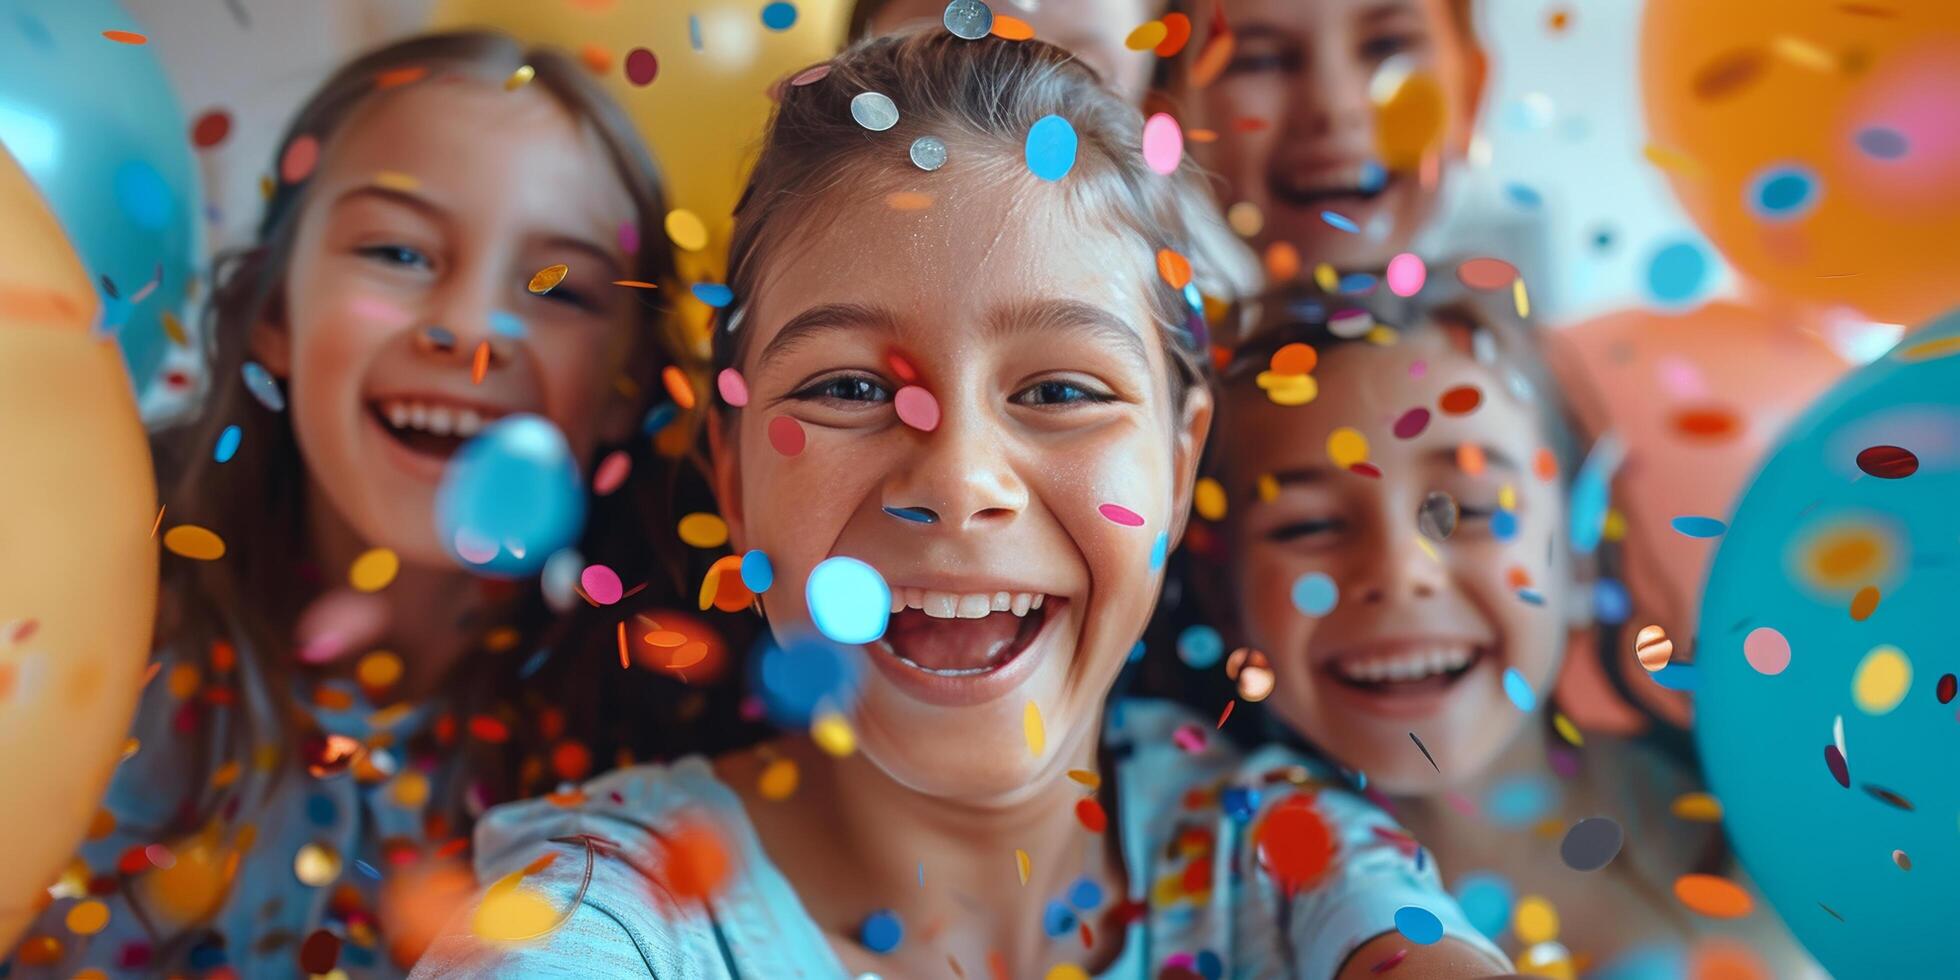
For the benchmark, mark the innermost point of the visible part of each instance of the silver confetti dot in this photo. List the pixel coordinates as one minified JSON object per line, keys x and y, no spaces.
{"x":1437,"y":517}
{"x":263,"y":386}
{"x":874,"y":111}
{"x":1591,"y":844}
{"x":969,"y":19}
{"x":928,"y":153}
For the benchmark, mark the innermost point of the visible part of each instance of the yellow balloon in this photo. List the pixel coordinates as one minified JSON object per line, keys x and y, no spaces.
{"x":704,"y":112}
{"x":78,"y":579}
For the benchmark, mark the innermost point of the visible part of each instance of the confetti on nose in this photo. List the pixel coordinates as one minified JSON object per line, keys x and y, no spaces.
{"x":714,"y":294}
{"x":506,"y":324}
{"x":1519,"y":690}
{"x":1698,"y":527}
{"x":1119,"y":514}
{"x":757,"y":572}
{"x":1315,"y":594}
{"x":1163,"y":143}
{"x":1050,"y":148}
{"x":917,"y":515}
{"x":548,"y":278}
{"x":263,"y":386}
{"x":1406,"y":274}
{"x":917,"y":408}
{"x":227,"y":446}
{"x":1032,"y":728}
{"x":373,"y":570}
{"x":849,"y":601}
{"x":786,"y":435}
{"x":734,"y":390}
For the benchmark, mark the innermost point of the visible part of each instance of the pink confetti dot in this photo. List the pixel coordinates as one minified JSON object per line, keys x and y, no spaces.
{"x":297,"y":163}
{"x":1406,"y":274}
{"x":612,"y":472}
{"x":629,"y":238}
{"x":786,"y":435}
{"x":734,"y":390}
{"x":1412,"y":422}
{"x":1766,"y":650}
{"x":917,"y":408}
{"x":1418,"y":368}
{"x":601,"y":583}
{"x":1163,"y":143}
{"x":1190,"y":738}
{"x":1119,"y":514}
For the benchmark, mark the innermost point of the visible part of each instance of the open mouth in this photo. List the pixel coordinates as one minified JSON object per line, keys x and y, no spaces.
{"x":1409,"y":671}
{"x":1345,"y":189}
{"x":430,"y":428}
{"x":963,"y":635}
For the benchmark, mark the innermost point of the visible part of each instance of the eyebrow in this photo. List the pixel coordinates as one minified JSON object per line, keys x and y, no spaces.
{"x":599,"y":253}
{"x":814,"y":323}
{"x":1024,"y":317}
{"x":435,"y":212}
{"x":1385,"y":11}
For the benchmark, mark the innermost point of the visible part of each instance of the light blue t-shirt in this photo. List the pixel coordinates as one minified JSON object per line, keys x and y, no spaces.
{"x":1205,"y":905}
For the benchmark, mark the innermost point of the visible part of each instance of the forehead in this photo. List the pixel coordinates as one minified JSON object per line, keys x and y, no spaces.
{"x":972,"y":251}
{"x":1055,"y":20}
{"x":1316,"y":14}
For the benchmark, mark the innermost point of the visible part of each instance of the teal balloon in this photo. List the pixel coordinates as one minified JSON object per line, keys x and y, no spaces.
{"x":1820,"y":851}
{"x":95,"y":125}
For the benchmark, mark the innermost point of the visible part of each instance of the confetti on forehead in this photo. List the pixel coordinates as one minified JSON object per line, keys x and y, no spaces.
{"x":1051,"y":147}
{"x":874,"y":111}
{"x":969,"y":20}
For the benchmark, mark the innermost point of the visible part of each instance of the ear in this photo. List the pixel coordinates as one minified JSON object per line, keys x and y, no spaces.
{"x":271,"y":342}
{"x":1187,"y":449}
{"x":725,"y":467}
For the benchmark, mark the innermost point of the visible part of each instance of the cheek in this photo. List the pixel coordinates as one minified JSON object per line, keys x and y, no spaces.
{"x":572,"y":368}
{"x":332,"y":342}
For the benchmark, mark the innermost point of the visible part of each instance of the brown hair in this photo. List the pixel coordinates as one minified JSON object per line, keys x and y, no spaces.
{"x":981,"y":98}
{"x":234,"y":617}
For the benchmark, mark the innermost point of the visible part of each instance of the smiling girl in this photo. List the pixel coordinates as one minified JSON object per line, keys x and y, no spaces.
{"x":971,"y":387}
{"x":328,"y":709}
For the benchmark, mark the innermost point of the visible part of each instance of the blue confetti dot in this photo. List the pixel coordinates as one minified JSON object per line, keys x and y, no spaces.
{"x":1611,"y":604}
{"x":757,"y":574}
{"x":1193,"y":299}
{"x":1677,"y":273}
{"x":796,"y":679}
{"x":659,"y":417}
{"x":1519,"y":800}
{"x":1418,"y":925}
{"x":1373,"y":176}
{"x":367,"y":869}
{"x":694,"y":31}
{"x":1085,"y":894}
{"x":1504,"y":525}
{"x":1241,"y":803}
{"x":506,"y":324}
{"x":1783,"y":193}
{"x":1136,"y":652}
{"x":208,"y":955}
{"x":1531,"y":596}
{"x":714,"y":294}
{"x":1057,"y":920}
{"x":881,"y":931}
{"x":1519,"y":690}
{"x":1159,"y":549}
{"x":779,"y":16}
{"x":320,"y":810}
{"x":1883,"y":142}
{"x":227,"y":444}
{"x":143,"y":195}
{"x":1677,"y":677}
{"x":1357,"y":284}
{"x":534,"y":664}
{"x":1209,"y":965}
{"x":511,"y":497}
{"x":1524,"y":197}
{"x":1051,"y":147}
{"x":1698,"y":527}
{"x":263,"y":386}
{"x":1486,"y":900}
{"x":1200,"y":647}
{"x":849,"y":601}
{"x":917,"y":515}
{"x":1335,"y":219}
{"x":1315,"y":594}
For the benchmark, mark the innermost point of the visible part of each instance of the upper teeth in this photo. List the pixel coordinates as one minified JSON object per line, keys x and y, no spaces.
{"x":442,"y":420}
{"x":964,"y":605}
{"x":1412,"y":666}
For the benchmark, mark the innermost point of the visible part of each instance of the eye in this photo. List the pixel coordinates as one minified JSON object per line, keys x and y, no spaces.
{"x":1059,"y":393}
{"x":570,"y":297}
{"x":1385,"y":46}
{"x":1468,"y":513}
{"x":1250,"y":62}
{"x":1305,"y":530}
{"x":861,"y":388}
{"x":396,"y":255}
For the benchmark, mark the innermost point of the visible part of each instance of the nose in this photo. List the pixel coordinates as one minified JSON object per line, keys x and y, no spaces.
{"x":1397,"y":566}
{"x":960,"y":476}
{"x":1331,"y":99}
{"x":465,"y":325}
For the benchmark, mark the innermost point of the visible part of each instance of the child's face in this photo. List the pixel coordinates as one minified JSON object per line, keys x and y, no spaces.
{"x":1422,"y":629}
{"x":428,"y":214}
{"x":1032,"y":335}
{"x":1092,"y":29}
{"x":1297,"y":129}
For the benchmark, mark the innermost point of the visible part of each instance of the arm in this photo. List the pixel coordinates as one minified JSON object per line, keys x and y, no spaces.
{"x":1444,"y":959}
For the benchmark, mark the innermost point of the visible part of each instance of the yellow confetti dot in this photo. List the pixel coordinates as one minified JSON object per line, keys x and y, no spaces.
{"x":1086,"y":778}
{"x":316,"y":865}
{"x":1022,"y":864}
{"x":379,"y":669}
{"x":1326,"y":277}
{"x":1427,"y":548}
{"x":410,"y":790}
{"x":548,"y":278}
{"x":1147,"y":35}
{"x":688,"y":232}
{"x":183,"y":680}
{"x":373,"y":570}
{"x":1668,"y":158}
{"x":174,"y":329}
{"x":1210,"y":499}
{"x":1698,"y":807}
{"x":1567,"y":730}
{"x":1245,"y":218}
{"x":1616,"y":525}
{"x":225,"y":775}
{"x":520,"y":78}
{"x":1032,"y":728}
{"x":1346,"y":447}
{"x":1881,"y":680}
{"x":1382,"y":335}
{"x":833,"y":734}
{"x":87,"y":918}
{"x":1520,"y":298}
{"x":396,"y":180}
{"x":778,"y":780}
{"x":1535,"y":921}
{"x":510,"y":914}
{"x":1507,"y":497}
{"x":1289,"y":390}
{"x":1798,"y":51}
{"x":1066,"y":971}
{"x":704,"y":530}
{"x":1268,"y":488}
{"x":1411,"y":114}
{"x":193,"y":542}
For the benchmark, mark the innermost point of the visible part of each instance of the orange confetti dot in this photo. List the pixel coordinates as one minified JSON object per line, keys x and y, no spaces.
{"x":677,"y":386}
{"x":1864,"y":603}
{"x":1470,"y":458}
{"x":1725,"y":959}
{"x":1707,"y":422}
{"x":571,"y":761}
{"x":400,"y":76}
{"x":1460,"y":400}
{"x":1295,"y":358}
{"x":908,"y":201}
{"x":1544,"y":463}
{"x":597,"y":60}
{"x":634,"y":283}
{"x":1282,"y":261}
{"x":695,"y":861}
{"x":1201,"y":136}
{"x":1090,"y":814}
{"x":1177,"y":33}
{"x":1012,"y":28}
{"x":1175,"y":268}
{"x":1517,"y":578}
{"x":1717,"y":898}
{"x":125,"y":37}
{"x":1212,"y":59}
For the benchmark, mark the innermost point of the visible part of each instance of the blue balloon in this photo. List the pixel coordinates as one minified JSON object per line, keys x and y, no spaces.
{"x":95,"y":125}
{"x":1832,"y":858}
{"x":510,"y":498}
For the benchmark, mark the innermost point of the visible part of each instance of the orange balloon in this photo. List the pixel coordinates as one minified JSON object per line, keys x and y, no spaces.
{"x":79,"y":579}
{"x":1816,"y":144}
{"x":1696,"y":397}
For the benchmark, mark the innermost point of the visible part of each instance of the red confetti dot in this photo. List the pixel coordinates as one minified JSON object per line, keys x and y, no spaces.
{"x":211,"y":129}
{"x":1412,"y":422}
{"x":641,"y":66}
{"x":786,"y":435}
{"x":1839,"y":771}
{"x":1946,"y":688}
{"x":1090,"y":814}
{"x":1295,"y":845}
{"x":489,"y":729}
{"x":125,"y":37}
{"x":1888,"y":462}
{"x":696,"y":862}
{"x":301,"y":155}
{"x":1460,"y":400}
{"x":320,"y":952}
{"x":1707,"y":422}
{"x":1487,"y":273}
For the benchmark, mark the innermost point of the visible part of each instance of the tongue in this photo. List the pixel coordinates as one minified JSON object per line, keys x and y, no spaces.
{"x":951,"y":644}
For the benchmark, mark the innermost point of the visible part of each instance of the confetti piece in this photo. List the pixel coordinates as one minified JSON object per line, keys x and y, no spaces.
{"x":87,"y":917}
{"x":1315,"y":594}
{"x":1031,"y":727}
{"x":1163,"y":144}
{"x":1189,"y":738}
{"x":1090,"y":815}
{"x":1652,"y":647}
{"x":642,"y":67}
{"x":1880,"y":682}
{"x":601,"y":584}
{"x":679,"y":388}
{"x":1520,"y":300}
{"x":1212,"y":58}
{"x":874,"y":111}
{"x":1012,"y":28}
{"x":520,"y":78}
{"x":1519,"y":690}
{"x":1022,"y":865}
{"x":1946,"y":688}
{"x":1346,"y":447}
{"x":1766,"y":650}
{"x":1119,"y":514}
{"x":1591,"y":844}
{"x":1567,"y":730}
{"x":849,"y":601}
{"x":1535,"y":920}
{"x":1418,"y":925}
{"x":969,"y":20}
{"x":547,"y":278}
{"x":373,"y":570}
{"x":1177,"y":33}
{"x":1677,"y":272}
{"x":1840,"y":768}
{"x":612,"y":472}
{"x":1146,"y":36}
{"x":1486,"y":273}
{"x":1882,"y":143}
{"x":917,"y":408}
{"x":757,"y":572}
{"x":686,"y":230}
{"x":779,"y":16}
{"x":1245,"y":218}
{"x":833,"y":734}
{"x":1174,"y":268}
{"x":703,"y":530}
{"x":786,"y":435}
{"x":1888,"y":462}
{"x":227,"y":446}
{"x":480,"y":362}
{"x":1406,"y":274}
{"x":1698,"y":527}
{"x":1717,"y":898}
{"x":1209,"y":499}
{"x":928,"y":153}
{"x":1294,"y":844}
{"x":714,"y":294}
{"x":193,"y":542}
{"x":1342,"y":222}
{"x":1050,"y":148}
{"x":778,"y":780}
